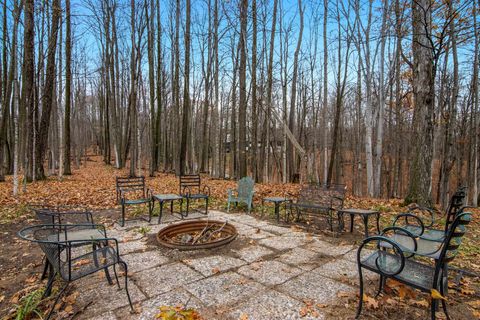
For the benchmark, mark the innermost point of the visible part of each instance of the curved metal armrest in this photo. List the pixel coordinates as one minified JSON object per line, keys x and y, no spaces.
{"x":149,"y":193}
{"x":186,"y":191}
{"x":206,"y":190}
{"x":411,"y":215}
{"x":106,"y":240}
{"x":394,"y":245}
{"x":406,"y":233}
{"x":431,"y":211}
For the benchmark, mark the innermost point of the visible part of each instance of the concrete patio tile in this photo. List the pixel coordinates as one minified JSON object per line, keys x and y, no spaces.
{"x":312,"y":286}
{"x":104,"y":297}
{"x":275,"y":229}
{"x":144,"y":260}
{"x":301,"y":258}
{"x":133,"y":246}
{"x":256,"y":233}
{"x":253,"y":253}
{"x":223,"y":289}
{"x":110,"y":315}
{"x":327,"y":248}
{"x":271,"y":305}
{"x":213,"y":264}
{"x":269,"y":272}
{"x":342,"y":269}
{"x":165,"y":278}
{"x":282,"y":243}
{"x":148,"y":309}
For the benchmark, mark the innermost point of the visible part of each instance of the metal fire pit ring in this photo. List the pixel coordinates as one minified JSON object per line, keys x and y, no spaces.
{"x":166,"y":236}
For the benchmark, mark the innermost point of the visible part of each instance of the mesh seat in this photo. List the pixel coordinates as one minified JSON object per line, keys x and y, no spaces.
{"x":418,"y":274}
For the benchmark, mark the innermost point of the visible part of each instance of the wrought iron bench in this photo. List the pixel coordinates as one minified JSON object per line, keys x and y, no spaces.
{"x":416,"y":225}
{"x":136,"y":186}
{"x":61,"y":245}
{"x":191,"y":189}
{"x":391,"y":259}
{"x":317,"y":200}
{"x":243,"y":193}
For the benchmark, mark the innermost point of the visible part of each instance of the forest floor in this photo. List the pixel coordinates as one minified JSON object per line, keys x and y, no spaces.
{"x":93,"y":186}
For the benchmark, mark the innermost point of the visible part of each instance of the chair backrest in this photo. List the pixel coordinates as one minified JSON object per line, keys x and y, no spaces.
{"x":457,"y":201}
{"x":62,"y":214}
{"x":129,"y":184}
{"x":330,"y":196}
{"x":454,"y":237}
{"x":190,"y":181}
{"x":245,"y":188}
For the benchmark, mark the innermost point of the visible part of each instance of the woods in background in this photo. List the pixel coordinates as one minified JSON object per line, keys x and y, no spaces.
{"x":379,"y":94}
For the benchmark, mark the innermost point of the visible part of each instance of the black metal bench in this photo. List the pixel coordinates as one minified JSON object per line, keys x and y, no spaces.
{"x":136,"y":186}
{"x":314,"y":200}
{"x":191,"y":189}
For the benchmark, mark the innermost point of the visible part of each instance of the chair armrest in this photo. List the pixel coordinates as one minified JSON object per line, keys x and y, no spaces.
{"x":149,"y":193}
{"x":206,"y":190}
{"x":401,"y":230}
{"x":397,"y":249}
{"x":410,"y":215}
{"x":231,"y":192}
{"x":431,"y":211}
{"x":106,"y":240}
{"x":186,"y":191}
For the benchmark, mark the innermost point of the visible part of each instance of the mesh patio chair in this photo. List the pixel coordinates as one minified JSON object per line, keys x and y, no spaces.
{"x":392,"y":260}
{"x":61,"y":245}
{"x":65,"y":214}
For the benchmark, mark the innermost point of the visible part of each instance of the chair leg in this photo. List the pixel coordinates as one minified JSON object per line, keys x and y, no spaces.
{"x":45,"y":269}
{"x":123,"y":216}
{"x":360,"y":303}
{"x":116,"y":276}
{"x":126,"y":284}
{"x":56,"y":301}
{"x":433,"y":309}
{"x":51,"y":279}
{"x":380,"y":286}
{"x":206,"y":206}
{"x":444,"y":303}
{"x":228,"y":206}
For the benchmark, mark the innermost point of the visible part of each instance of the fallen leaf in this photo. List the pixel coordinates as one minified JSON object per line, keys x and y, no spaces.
{"x":215,"y":270}
{"x":436,"y":295}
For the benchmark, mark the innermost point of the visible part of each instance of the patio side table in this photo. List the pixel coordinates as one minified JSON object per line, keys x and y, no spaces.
{"x":363,"y":213}
{"x":277,"y":201}
{"x":169,"y":197}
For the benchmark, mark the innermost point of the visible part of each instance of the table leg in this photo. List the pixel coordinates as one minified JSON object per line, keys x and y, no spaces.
{"x":277,"y":211}
{"x":365,"y":222}
{"x":341,"y":222}
{"x":151,"y":206}
{"x":351,"y":222}
{"x":161,"y":211}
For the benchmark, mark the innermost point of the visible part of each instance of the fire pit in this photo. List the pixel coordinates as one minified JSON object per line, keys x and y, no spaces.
{"x":200,"y":234}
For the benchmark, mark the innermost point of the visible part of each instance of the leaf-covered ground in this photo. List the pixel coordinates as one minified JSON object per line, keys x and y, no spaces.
{"x":93,"y":186}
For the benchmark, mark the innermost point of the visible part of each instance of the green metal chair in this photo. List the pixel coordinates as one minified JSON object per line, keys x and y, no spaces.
{"x":243,"y":193}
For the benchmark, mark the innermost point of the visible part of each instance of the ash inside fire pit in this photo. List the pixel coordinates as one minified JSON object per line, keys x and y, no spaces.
{"x":201,"y":234}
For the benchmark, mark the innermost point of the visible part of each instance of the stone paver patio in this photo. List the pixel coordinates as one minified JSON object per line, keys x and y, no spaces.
{"x":268,"y":272}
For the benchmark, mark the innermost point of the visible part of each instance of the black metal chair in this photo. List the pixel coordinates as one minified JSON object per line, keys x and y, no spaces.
{"x":64,"y":246}
{"x":136,"y":186}
{"x":65,"y":214}
{"x":392,"y":260}
{"x":191,"y":189}
{"x":416,"y":225}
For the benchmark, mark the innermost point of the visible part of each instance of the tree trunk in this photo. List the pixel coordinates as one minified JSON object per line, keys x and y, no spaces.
{"x":186,"y":94}
{"x":68,"y":86}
